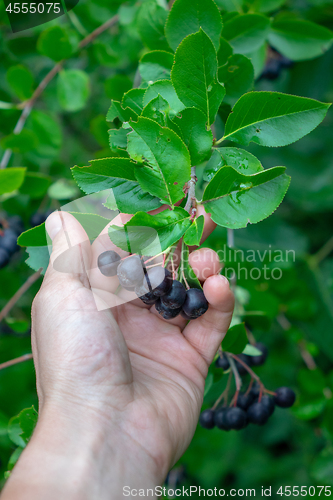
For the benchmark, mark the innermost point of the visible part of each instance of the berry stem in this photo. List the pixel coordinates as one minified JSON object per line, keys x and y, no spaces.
{"x":15,"y":361}
{"x":238,"y":380}
{"x":247,"y":368}
{"x":224,"y":394}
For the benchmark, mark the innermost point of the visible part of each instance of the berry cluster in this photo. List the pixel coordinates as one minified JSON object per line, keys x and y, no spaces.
{"x":250,"y":407}
{"x":254,"y":406}
{"x":10,"y":230}
{"x":154,"y":285}
{"x":274,"y":64}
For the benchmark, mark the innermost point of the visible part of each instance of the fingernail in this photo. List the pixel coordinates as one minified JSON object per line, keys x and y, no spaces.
{"x":53,"y":224}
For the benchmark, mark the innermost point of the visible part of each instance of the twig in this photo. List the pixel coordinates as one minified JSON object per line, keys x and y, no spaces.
{"x":307,"y":358}
{"x":190,"y":206}
{"x":15,"y":361}
{"x":10,"y":304}
{"x":46,"y":80}
{"x":323,"y":252}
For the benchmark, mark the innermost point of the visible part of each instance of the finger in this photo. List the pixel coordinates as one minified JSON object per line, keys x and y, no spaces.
{"x":71,"y":251}
{"x":206,"y":333}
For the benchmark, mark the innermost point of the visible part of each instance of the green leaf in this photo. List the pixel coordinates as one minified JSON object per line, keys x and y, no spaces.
{"x":267,"y":6}
{"x":55,"y":43}
{"x":191,"y":127}
{"x":273,"y":119}
{"x":63,"y":189}
{"x":194,"y":75}
{"x":188,"y":16}
{"x":48,"y":132}
{"x":13,"y":460}
{"x":20,"y":80}
{"x":117,"y":111}
{"x":18,"y":326}
{"x":157,"y":109}
{"x":186,"y":269}
{"x":73,"y":89}
{"x":224,"y":52}
{"x":235,"y":340}
{"x":150,"y":23}
{"x":237,"y":75}
{"x":151,"y":234}
{"x":165,"y":89}
{"x":20,"y":143}
{"x":117,"y":138}
{"x":241,"y":160}
{"x":164,"y":159}
{"x":230,"y":5}
{"x":246,"y":32}
{"x":39,"y":258}
{"x":11,"y":179}
{"x":35,"y":237}
{"x":234,"y":199}
{"x":21,"y":427}
{"x":156,"y":65}
{"x":34,"y":184}
{"x":250,"y":350}
{"x":117,"y":174}
{"x":300,"y":40}
{"x":193,"y":235}
{"x":308,"y":411}
{"x":322,"y":467}
{"x":133,"y":99}
{"x":116,"y":86}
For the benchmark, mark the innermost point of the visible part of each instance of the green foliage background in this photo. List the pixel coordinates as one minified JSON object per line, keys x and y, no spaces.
{"x":67,"y":127}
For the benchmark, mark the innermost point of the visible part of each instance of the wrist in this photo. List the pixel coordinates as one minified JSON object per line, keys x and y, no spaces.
{"x":82,"y":458}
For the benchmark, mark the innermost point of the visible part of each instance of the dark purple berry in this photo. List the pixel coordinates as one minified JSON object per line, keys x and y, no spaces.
{"x":108,"y":263}
{"x":206,"y":419}
{"x":255,"y":390}
{"x":130,"y":272}
{"x":284,"y":397}
{"x":271,"y":70}
{"x":218,"y":419}
{"x":175,"y":297}
{"x":268,"y":403}
{"x":9,"y":241}
{"x":183,"y":315}
{"x":157,"y":280}
{"x":165,"y":312}
{"x":147,"y":297}
{"x":261,"y":358}
{"x":258,"y":414}
{"x":4,"y":258}
{"x":234,"y":418}
{"x":244,"y":400}
{"x":195,"y":304}
{"x":16,"y":224}
{"x":222,"y":362}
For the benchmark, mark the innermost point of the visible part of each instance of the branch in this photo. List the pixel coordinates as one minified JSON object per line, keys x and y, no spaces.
{"x":10,"y":304}
{"x":190,"y":206}
{"x":15,"y":361}
{"x":46,"y":80}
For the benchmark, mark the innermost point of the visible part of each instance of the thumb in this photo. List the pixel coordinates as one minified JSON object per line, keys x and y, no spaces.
{"x":70,"y":245}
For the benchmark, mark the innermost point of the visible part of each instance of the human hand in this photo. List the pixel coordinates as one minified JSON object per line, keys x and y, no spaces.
{"x":125,"y":379}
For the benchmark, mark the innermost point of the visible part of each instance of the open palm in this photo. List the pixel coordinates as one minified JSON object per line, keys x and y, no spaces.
{"x":125,"y":363}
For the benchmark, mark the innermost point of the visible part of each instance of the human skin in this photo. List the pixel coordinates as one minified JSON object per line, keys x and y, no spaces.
{"x":120,"y":390}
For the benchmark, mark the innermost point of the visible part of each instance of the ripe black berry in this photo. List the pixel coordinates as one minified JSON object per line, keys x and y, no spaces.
{"x":165,"y":311}
{"x":4,"y":258}
{"x":108,"y":263}
{"x":206,"y":419}
{"x":235,"y":418}
{"x":244,"y":400}
{"x":175,"y":297}
{"x":16,"y":224}
{"x":218,"y":419}
{"x":222,"y":362}
{"x":271,"y":70}
{"x":258,"y":414}
{"x":195,"y":304}
{"x":130,"y":271}
{"x":284,"y":397}
{"x":261,"y":358}
{"x":157,"y":280}
{"x":9,"y":241}
{"x":147,"y":297}
{"x":268,"y":403}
